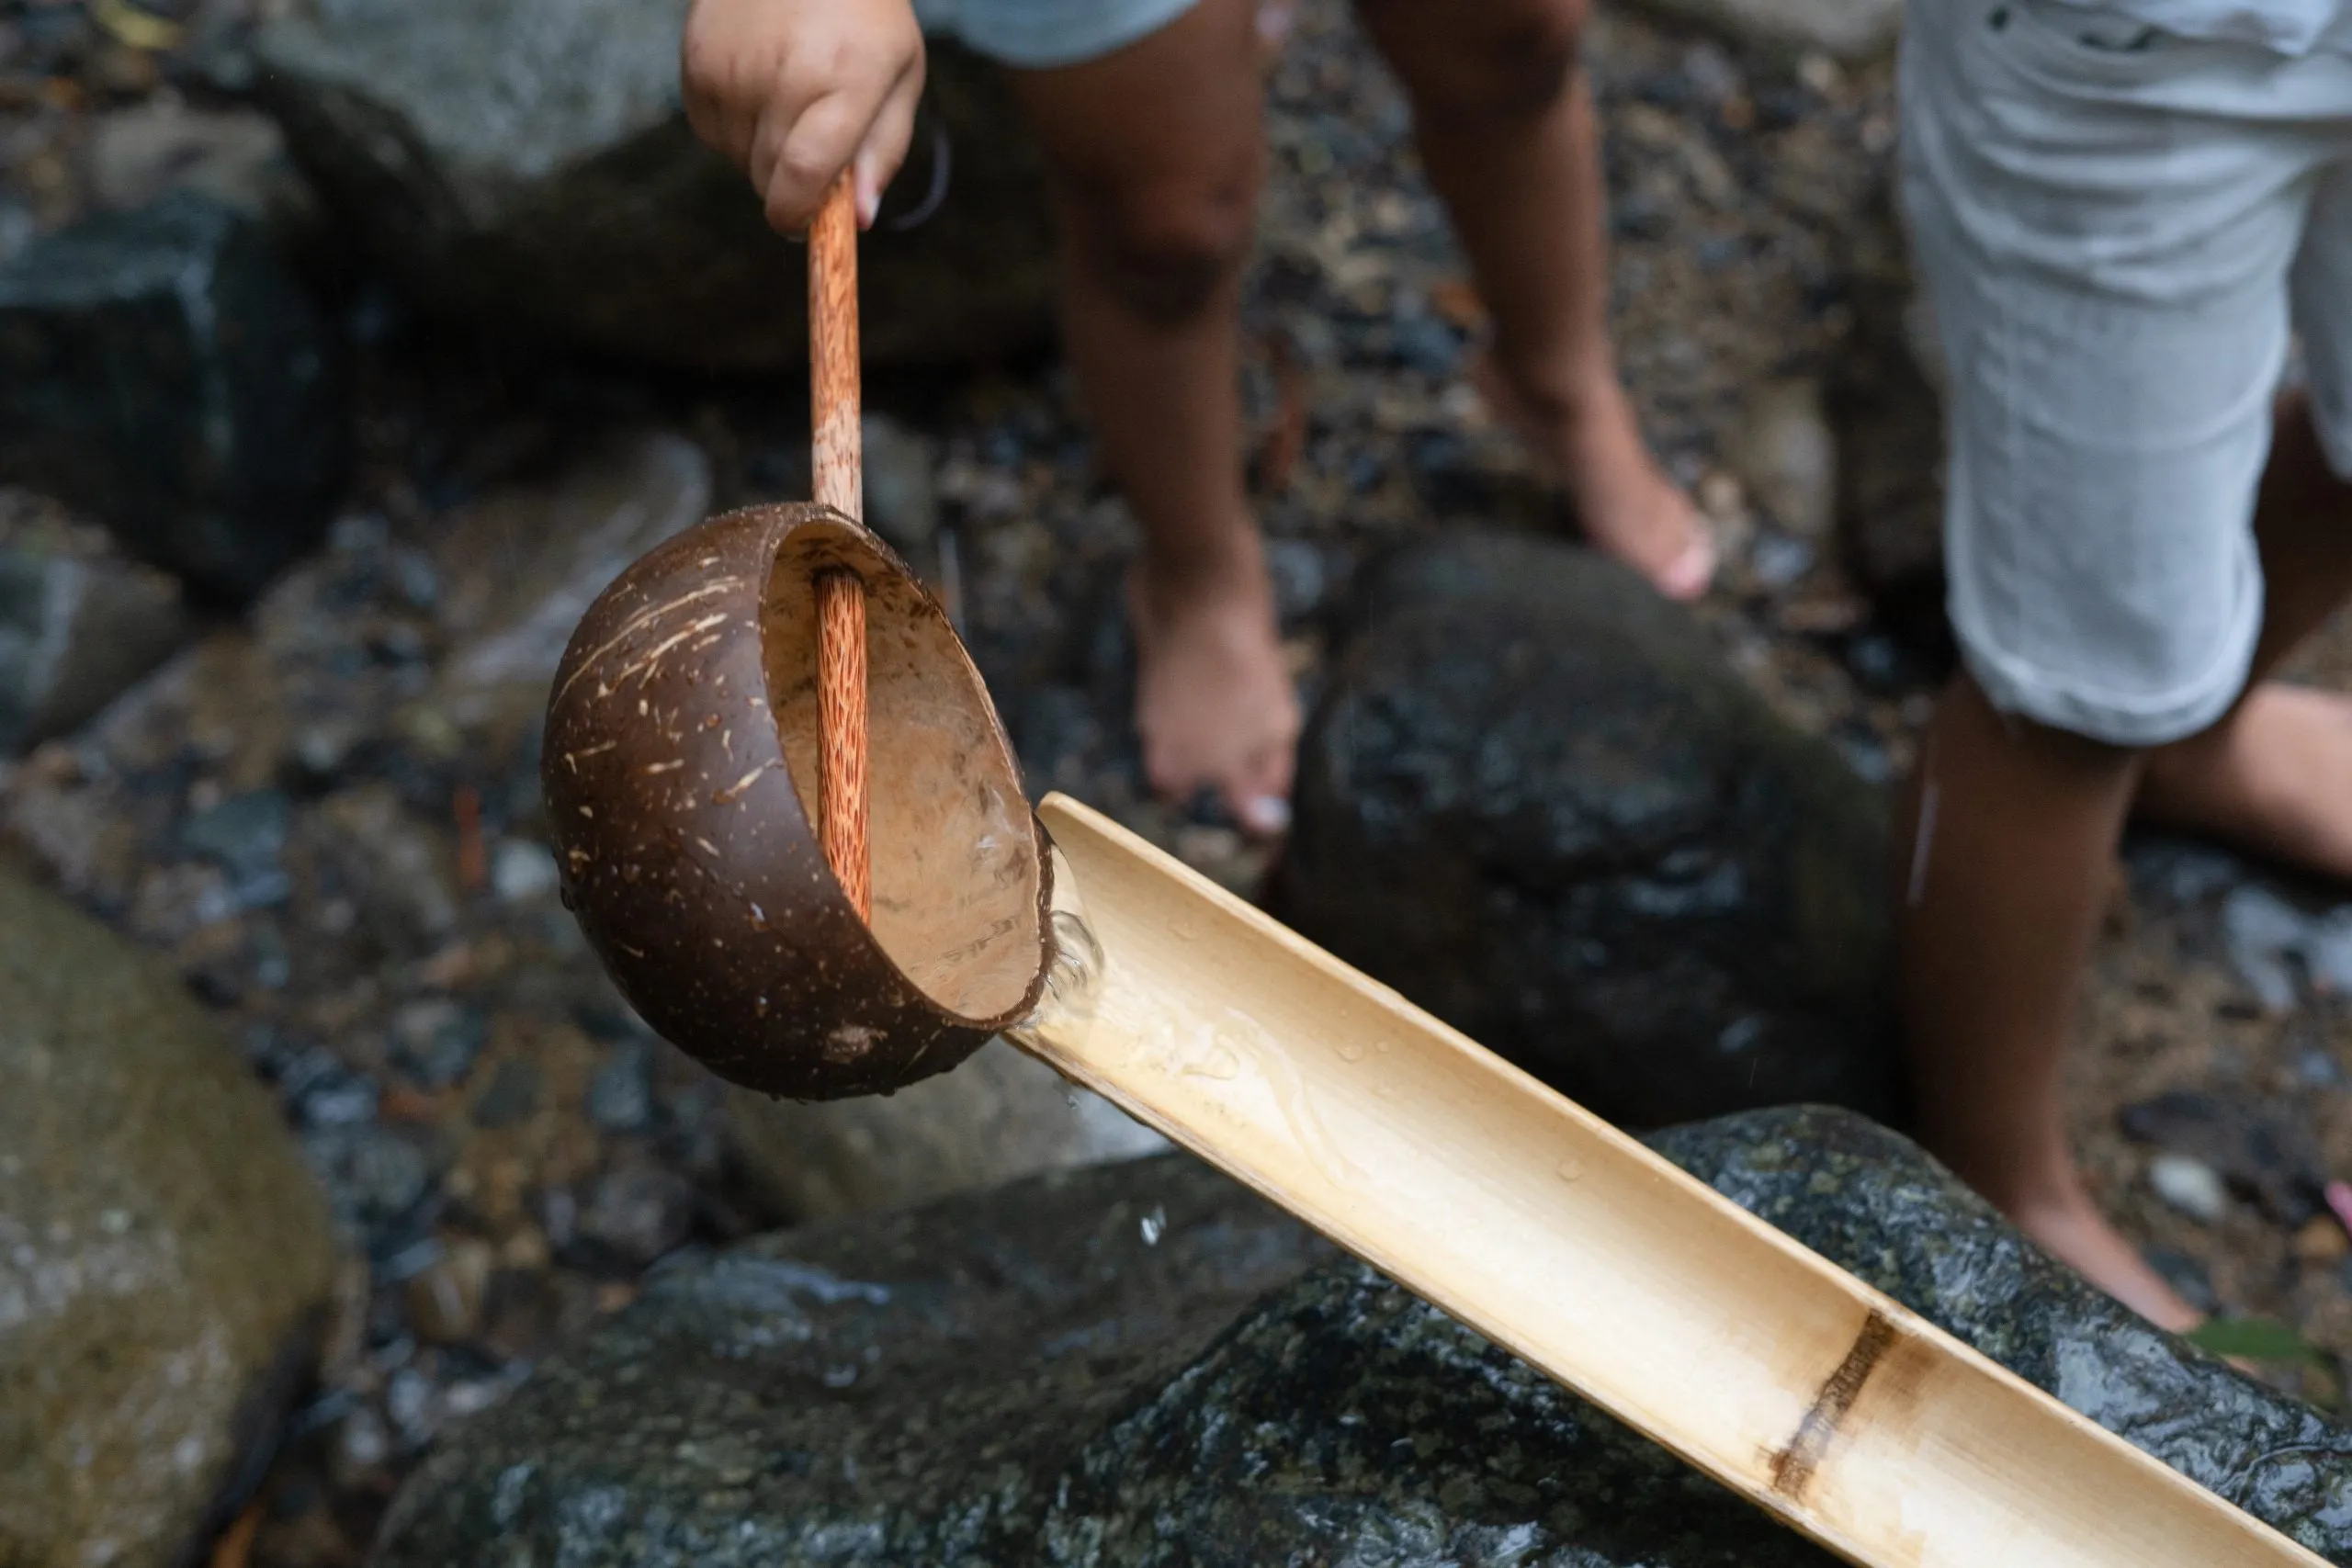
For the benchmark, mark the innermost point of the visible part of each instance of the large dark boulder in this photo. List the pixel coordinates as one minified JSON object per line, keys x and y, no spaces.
{"x":525,"y":165}
{"x":1538,"y":803}
{"x":162,"y":370}
{"x":895,"y":1390}
{"x":1066,"y":1371}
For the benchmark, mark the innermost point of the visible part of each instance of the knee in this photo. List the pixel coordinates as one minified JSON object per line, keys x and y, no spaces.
{"x":1503,"y":60}
{"x":1167,"y":249}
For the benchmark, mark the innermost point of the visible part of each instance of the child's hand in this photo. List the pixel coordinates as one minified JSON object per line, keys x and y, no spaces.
{"x":798,"y":90}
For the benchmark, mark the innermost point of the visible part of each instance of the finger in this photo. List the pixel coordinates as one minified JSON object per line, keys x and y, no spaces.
{"x":767,"y":149}
{"x":810,"y":156}
{"x":884,"y":151}
{"x":717,"y":109}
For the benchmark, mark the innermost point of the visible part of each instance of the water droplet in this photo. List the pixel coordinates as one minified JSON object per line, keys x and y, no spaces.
{"x":1569,"y":1170}
{"x":1383,"y":1046}
{"x":1154,"y":1225}
{"x":1183,"y":931}
{"x":1349,"y":1051}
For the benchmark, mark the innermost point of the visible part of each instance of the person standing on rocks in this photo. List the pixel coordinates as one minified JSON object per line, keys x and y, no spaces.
{"x":1149,"y":113}
{"x":2122,"y":212}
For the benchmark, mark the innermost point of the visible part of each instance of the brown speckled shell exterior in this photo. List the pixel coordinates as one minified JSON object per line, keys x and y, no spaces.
{"x":686,"y":850}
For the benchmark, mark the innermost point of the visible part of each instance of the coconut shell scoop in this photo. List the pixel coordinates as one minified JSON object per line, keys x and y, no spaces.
{"x":785,"y":812}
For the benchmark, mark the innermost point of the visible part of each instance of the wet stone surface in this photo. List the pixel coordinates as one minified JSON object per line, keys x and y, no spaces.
{"x":78,"y":621}
{"x":482,"y":1106}
{"x":1537,"y":802}
{"x":526,"y":166}
{"x":164,"y":1259}
{"x":163,"y":370}
{"x":872,"y":1394}
{"x":998,"y":1116}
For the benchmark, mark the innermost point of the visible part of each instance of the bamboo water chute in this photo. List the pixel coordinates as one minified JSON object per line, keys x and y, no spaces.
{"x":739,"y":710}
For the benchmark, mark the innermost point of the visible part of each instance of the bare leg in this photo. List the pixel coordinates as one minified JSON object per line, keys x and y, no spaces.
{"x":2276,"y":775}
{"x":2007,"y":836}
{"x":1504,"y":123}
{"x":1156,"y":155}
{"x":2004,"y":848}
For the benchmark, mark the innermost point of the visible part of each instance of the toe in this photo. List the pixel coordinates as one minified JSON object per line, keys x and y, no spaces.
{"x":1691,"y":573}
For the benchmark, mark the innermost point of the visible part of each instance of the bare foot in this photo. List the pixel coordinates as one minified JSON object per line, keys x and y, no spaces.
{"x":1213,"y":699}
{"x":2072,"y":1230}
{"x":1629,"y":508}
{"x":2275,"y":777}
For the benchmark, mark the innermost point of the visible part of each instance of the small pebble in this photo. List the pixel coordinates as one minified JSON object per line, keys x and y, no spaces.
{"x":1779,"y":560}
{"x":362,"y":1445}
{"x":636,"y":1216}
{"x":408,"y":1400}
{"x":434,"y":1041}
{"x":2190,"y":1186}
{"x":2262,"y":933}
{"x":2322,"y":1242}
{"x":512,"y":1097}
{"x":620,"y":1098}
{"x":445,"y":1301}
{"x":521,"y":871}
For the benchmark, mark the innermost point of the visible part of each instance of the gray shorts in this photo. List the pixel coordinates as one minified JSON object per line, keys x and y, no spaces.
{"x":1036,"y":35}
{"x":2121,"y":231}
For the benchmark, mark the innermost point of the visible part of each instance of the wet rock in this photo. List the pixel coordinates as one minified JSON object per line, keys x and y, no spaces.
{"x":1038,"y":1375}
{"x":78,"y":624}
{"x":235,"y":156}
{"x":162,"y":1253}
{"x":526,"y":165}
{"x":999,"y":1116}
{"x":161,"y":370}
{"x":1844,"y":30}
{"x":522,"y":565}
{"x":1870,"y":1202}
{"x":1050,"y":1286}
{"x":1537,"y":803}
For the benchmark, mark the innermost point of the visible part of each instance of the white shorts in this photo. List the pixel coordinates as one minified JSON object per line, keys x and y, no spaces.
{"x":2121,"y":232}
{"x":1036,"y":35}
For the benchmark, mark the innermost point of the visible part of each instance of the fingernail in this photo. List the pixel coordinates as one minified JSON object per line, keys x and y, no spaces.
{"x":1269,"y":814}
{"x":869,"y":201}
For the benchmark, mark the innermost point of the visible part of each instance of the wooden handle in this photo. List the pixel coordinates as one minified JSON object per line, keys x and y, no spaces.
{"x":832,"y":354}
{"x":839,"y":483}
{"x":840,"y":734}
